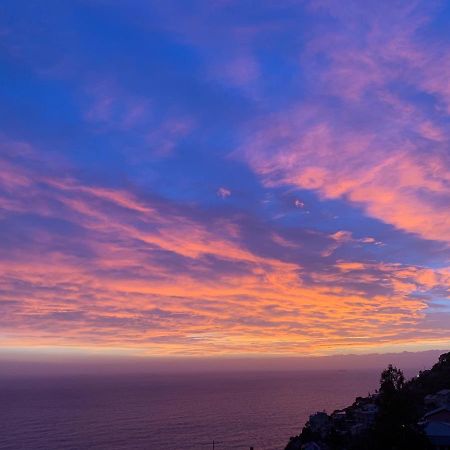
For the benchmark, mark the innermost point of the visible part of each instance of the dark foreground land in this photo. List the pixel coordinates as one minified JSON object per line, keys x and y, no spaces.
{"x":401,"y":415}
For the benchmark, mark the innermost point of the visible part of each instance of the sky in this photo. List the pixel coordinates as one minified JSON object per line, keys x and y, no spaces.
{"x":210,"y":178}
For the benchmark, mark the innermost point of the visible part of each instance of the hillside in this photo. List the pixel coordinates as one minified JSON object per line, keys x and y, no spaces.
{"x":401,"y":415}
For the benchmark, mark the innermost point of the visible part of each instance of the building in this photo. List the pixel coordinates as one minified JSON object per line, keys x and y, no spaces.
{"x":320,"y":423}
{"x":436,"y":425}
{"x":339,"y":419}
{"x":366,"y":415}
{"x":439,"y":434}
{"x":439,"y":399}
{"x":441,"y":414}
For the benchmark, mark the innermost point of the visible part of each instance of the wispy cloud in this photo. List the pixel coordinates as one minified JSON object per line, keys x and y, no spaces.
{"x":362,"y":135}
{"x":139,"y":273}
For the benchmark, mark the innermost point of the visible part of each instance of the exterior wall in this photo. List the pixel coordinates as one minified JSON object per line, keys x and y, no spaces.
{"x":441,"y":416}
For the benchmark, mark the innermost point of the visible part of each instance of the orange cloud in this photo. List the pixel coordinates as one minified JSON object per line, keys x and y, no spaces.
{"x":158,"y":282}
{"x":400,"y":187}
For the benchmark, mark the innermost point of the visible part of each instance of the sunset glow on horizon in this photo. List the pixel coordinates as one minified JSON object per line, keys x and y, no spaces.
{"x":225,"y":178}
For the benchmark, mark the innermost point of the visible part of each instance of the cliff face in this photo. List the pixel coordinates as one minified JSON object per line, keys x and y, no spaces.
{"x":392,"y":418}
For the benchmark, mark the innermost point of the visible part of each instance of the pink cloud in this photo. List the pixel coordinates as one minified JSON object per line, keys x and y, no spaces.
{"x":124,"y":295}
{"x":379,"y":149}
{"x":223,"y":192}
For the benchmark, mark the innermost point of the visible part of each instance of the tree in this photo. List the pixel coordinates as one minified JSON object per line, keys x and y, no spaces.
{"x":392,"y":381}
{"x":395,"y":427}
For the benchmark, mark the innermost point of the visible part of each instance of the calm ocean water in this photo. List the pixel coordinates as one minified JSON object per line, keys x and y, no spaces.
{"x":170,"y":411}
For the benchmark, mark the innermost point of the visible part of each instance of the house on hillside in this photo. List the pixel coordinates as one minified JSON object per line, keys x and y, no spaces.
{"x":340,"y":420}
{"x":439,"y":399}
{"x":439,"y":434}
{"x":436,"y":425}
{"x":320,"y":423}
{"x":366,"y":414}
{"x":441,"y":414}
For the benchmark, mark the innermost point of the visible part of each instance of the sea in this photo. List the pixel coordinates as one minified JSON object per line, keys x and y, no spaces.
{"x":171,"y":411}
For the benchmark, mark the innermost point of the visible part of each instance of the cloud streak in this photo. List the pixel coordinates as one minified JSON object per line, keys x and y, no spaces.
{"x":110,"y":269}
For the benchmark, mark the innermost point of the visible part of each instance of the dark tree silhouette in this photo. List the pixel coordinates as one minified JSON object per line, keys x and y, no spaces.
{"x":392,"y":381}
{"x":396,"y":424}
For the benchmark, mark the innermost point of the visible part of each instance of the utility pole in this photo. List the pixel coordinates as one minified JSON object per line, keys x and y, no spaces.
{"x":213,"y":444}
